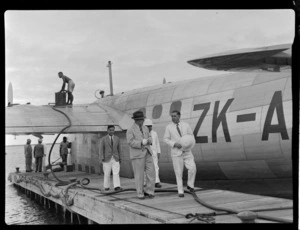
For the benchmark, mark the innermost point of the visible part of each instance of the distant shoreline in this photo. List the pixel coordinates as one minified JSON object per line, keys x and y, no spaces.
{"x":31,"y":144}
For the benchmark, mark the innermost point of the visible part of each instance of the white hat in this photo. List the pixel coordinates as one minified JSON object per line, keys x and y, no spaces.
{"x":147,"y":122}
{"x":187,"y":142}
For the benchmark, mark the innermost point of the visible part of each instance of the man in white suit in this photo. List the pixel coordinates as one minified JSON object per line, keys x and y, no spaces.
{"x":110,"y":155}
{"x":180,"y":158}
{"x":155,"y":147}
{"x":139,"y":141}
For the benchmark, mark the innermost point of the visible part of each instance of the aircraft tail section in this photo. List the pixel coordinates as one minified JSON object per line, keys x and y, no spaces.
{"x":270,"y":58}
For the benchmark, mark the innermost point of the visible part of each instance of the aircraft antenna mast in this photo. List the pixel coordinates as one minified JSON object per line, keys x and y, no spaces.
{"x":110,"y":78}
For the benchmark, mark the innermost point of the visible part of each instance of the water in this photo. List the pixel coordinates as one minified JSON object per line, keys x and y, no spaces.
{"x":20,"y":209}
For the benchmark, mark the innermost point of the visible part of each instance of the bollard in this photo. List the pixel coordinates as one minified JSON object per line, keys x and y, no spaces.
{"x":247,"y":216}
{"x":46,"y":174}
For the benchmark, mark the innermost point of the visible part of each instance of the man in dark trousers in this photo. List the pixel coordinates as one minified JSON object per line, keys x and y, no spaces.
{"x":28,"y":155}
{"x":38,"y":153}
{"x":63,"y":150}
{"x":110,"y":156}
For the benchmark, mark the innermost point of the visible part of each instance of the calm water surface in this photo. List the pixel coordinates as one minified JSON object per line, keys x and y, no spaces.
{"x":20,"y":209}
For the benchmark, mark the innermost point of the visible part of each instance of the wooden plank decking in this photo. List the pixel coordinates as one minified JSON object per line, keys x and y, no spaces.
{"x":166,"y":207}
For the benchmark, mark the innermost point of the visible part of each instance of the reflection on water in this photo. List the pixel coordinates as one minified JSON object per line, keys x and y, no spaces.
{"x":20,"y":209}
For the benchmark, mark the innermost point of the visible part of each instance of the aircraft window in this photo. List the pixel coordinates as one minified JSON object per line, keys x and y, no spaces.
{"x":157,"y":111}
{"x":176,"y":105}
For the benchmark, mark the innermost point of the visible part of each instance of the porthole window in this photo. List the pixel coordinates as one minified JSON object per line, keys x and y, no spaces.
{"x":176,"y":105}
{"x":157,"y":111}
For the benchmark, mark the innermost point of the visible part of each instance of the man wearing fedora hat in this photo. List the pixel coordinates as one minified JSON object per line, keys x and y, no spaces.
{"x":139,"y":141}
{"x":181,"y":156}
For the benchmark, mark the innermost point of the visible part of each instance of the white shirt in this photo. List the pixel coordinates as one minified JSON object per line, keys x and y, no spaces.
{"x":172,"y":136}
{"x":111,"y":138}
{"x":155,"y":147}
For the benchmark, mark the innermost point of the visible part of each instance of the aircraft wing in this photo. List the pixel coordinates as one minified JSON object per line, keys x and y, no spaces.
{"x":270,"y":58}
{"x":30,"y":119}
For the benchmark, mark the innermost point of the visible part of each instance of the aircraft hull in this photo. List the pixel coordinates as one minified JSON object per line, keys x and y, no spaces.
{"x":242,"y":124}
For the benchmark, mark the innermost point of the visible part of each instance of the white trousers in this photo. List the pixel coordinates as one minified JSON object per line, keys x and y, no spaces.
{"x":115,"y":167}
{"x":155,"y":161}
{"x":187,"y":160}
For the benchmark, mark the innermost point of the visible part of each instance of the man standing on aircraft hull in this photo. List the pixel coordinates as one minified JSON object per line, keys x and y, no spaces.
{"x":139,"y":141}
{"x":172,"y":136}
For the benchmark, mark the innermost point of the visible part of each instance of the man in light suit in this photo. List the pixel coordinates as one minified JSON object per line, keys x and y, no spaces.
{"x":139,"y":141}
{"x":110,"y":155}
{"x":173,"y":133}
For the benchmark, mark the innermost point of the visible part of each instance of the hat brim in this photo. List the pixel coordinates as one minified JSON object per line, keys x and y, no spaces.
{"x":138,"y":118}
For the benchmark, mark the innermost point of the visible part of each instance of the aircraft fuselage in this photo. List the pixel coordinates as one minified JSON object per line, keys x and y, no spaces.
{"x":242,"y":124}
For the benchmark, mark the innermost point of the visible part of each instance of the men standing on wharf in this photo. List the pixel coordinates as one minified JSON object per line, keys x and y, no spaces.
{"x":180,"y":157}
{"x":63,"y":149}
{"x":71,"y":86}
{"x":39,"y":152}
{"x":110,"y":155}
{"x":155,"y":147}
{"x":28,"y":156}
{"x":139,"y":141}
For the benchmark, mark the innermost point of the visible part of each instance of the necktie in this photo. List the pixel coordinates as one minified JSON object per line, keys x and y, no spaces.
{"x":111,"y":140}
{"x":178,"y":129}
{"x":141,"y":130}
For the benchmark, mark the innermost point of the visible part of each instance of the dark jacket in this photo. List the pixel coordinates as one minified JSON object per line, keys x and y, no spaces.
{"x":38,"y":150}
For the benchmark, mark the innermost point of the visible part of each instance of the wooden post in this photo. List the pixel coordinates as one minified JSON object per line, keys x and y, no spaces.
{"x":78,"y":217}
{"x":90,"y":221}
{"x":56,"y":207}
{"x":64,"y":212}
{"x":71,"y":217}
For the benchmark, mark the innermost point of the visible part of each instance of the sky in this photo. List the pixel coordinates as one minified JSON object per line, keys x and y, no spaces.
{"x":144,"y":46}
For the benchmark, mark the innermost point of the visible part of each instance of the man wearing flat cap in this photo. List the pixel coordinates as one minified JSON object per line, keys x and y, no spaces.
{"x":139,"y":141}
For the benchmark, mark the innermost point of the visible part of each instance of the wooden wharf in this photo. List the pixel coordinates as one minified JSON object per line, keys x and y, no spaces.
{"x":94,"y":207}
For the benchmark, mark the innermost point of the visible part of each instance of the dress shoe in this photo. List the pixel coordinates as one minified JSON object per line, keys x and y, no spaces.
{"x":106,"y":189}
{"x":157,"y":185}
{"x":191,"y":189}
{"x":181,"y":195}
{"x":141,"y":197}
{"x":149,"y":195}
{"x":118,"y":189}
